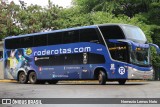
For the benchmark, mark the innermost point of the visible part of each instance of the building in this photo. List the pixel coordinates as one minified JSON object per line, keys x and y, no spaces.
{"x":1,"y":63}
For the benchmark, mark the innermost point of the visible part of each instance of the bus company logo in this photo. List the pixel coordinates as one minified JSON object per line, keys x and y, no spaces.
{"x":28,"y":51}
{"x":121,"y":70}
{"x":61,"y":51}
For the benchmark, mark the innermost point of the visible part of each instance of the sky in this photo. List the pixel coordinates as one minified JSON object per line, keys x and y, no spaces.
{"x":63,"y":3}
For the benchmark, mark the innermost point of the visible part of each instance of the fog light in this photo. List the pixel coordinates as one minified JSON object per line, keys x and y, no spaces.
{"x":132,"y":75}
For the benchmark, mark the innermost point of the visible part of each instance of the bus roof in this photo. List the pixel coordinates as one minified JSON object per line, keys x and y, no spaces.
{"x":68,"y":29}
{"x":116,"y":24}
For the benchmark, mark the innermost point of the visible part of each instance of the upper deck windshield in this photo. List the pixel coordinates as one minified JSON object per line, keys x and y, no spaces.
{"x":134,"y":33}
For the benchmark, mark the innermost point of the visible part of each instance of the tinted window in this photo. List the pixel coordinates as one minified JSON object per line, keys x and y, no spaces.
{"x":96,"y":58}
{"x":40,"y":40}
{"x":58,"y":60}
{"x":73,"y":59}
{"x":67,"y":59}
{"x":71,"y":36}
{"x":89,"y":35}
{"x":119,"y":52}
{"x":55,"y":38}
{"x":13,"y":43}
{"x":26,"y":42}
{"x":49,"y":60}
{"x":112,"y":32}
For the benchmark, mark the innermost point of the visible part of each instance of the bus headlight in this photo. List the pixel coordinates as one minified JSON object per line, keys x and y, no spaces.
{"x":135,"y":69}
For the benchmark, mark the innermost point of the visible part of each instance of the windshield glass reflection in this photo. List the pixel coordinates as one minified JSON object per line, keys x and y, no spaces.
{"x":141,"y":57}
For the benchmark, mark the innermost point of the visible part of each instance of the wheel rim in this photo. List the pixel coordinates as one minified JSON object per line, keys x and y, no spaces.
{"x":22,"y":77}
{"x":100,"y":78}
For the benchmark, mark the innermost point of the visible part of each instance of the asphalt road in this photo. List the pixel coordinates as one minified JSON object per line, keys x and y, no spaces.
{"x":145,"y":89}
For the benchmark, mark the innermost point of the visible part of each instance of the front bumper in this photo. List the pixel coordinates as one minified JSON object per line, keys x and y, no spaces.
{"x":138,"y":74}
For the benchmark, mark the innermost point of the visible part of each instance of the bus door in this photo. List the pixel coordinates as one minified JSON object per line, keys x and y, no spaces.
{"x":120,"y":54}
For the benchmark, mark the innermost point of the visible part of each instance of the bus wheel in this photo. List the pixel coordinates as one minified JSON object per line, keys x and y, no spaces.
{"x":53,"y":81}
{"x":102,"y":78}
{"x":33,"y":78}
{"x":122,"y":82}
{"x":22,"y":78}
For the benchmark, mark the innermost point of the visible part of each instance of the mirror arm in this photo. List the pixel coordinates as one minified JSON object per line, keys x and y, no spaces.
{"x":156,"y":46}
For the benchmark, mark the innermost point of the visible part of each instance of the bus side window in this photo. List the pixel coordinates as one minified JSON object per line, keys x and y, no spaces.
{"x":13,"y":43}
{"x":112,"y":32}
{"x":55,"y":38}
{"x":71,"y":36}
{"x":40,"y":40}
{"x":118,"y":52}
{"x":26,"y":42}
{"x":89,"y":35}
{"x":73,"y":59}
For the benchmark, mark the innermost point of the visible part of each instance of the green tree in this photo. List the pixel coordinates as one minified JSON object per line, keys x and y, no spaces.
{"x":8,"y":20}
{"x":126,"y":7}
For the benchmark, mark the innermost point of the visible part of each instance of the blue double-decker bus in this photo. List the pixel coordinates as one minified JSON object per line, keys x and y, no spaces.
{"x":108,"y":52}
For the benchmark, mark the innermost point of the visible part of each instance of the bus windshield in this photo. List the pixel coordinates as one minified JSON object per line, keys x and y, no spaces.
{"x":134,"y":33}
{"x":140,"y":57}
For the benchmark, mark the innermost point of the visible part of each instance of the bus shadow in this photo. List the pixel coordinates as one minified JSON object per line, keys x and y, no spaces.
{"x":103,"y":85}
{"x":107,"y":84}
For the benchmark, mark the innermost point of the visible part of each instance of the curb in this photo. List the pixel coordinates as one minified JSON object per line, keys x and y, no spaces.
{"x":8,"y":80}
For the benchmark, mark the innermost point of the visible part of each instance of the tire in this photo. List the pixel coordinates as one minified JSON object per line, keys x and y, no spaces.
{"x":22,"y":78}
{"x":122,"y":82}
{"x":33,"y":78}
{"x":53,"y":81}
{"x":102,"y":78}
